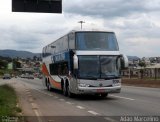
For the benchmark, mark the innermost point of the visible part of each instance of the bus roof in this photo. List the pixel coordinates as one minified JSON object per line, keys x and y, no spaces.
{"x":76,"y":31}
{"x":91,"y":31}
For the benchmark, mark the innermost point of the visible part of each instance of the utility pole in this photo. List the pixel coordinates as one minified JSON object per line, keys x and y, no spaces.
{"x":81,"y":22}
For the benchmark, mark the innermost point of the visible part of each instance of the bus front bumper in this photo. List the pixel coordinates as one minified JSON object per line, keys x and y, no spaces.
{"x":99,"y":90}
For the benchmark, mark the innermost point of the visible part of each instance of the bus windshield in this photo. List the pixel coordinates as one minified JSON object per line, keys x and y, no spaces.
{"x":103,"y":41}
{"x":99,"y":67}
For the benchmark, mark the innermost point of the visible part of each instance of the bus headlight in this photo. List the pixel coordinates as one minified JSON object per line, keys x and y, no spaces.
{"x":83,"y":85}
{"x":116,"y":83}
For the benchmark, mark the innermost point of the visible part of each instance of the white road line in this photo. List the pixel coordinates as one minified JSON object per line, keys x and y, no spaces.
{"x":56,"y":97}
{"x":122,"y":97}
{"x":61,"y":99}
{"x":38,"y":116}
{"x":80,"y":107}
{"x":31,"y":100}
{"x":27,"y":90}
{"x":40,"y":91}
{"x":44,"y":92}
{"x":29,"y":95}
{"x":36,"y":112}
{"x":93,"y":112}
{"x":34,"y":106}
{"x":50,"y":120}
{"x":50,"y":95}
{"x":110,"y":119}
{"x":70,"y":103}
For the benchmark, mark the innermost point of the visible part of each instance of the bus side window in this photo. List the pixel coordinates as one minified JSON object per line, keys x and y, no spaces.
{"x":65,"y":69}
{"x":59,"y":69}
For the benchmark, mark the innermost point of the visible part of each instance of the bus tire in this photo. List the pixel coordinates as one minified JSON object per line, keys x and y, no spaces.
{"x":104,"y":95}
{"x":64,"y":90}
{"x":69,"y":93}
{"x":46,"y":82}
{"x":49,"y":88}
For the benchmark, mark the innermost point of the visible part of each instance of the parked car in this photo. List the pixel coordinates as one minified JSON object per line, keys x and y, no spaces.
{"x":40,"y":76}
{"x":30,"y":77}
{"x":6,"y":76}
{"x":22,"y":76}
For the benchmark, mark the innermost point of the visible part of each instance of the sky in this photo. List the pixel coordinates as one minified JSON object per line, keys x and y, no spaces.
{"x":135,"y":22}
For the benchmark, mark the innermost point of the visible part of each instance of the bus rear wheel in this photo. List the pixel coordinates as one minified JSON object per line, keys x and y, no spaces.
{"x":64,"y":90}
{"x":49,"y":88}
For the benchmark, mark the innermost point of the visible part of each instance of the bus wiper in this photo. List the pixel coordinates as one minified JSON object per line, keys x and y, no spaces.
{"x":91,"y":77}
{"x":111,"y":76}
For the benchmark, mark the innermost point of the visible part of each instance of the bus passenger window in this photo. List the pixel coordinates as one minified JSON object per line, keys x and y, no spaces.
{"x":65,"y":69}
{"x":59,"y":70}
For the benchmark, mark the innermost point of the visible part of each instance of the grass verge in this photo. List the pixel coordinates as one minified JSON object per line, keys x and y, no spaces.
{"x":8,"y":101}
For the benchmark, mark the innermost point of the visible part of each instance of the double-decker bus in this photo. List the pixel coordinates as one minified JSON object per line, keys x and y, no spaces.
{"x":84,"y":62}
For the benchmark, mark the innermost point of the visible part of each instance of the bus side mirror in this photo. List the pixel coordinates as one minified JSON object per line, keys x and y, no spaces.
{"x":75,"y":61}
{"x":124,"y":61}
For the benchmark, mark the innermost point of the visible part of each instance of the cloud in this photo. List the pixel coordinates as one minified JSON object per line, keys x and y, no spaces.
{"x":108,"y":9}
{"x":135,"y":22}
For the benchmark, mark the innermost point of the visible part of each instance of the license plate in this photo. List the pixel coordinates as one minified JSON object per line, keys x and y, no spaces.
{"x":100,"y":90}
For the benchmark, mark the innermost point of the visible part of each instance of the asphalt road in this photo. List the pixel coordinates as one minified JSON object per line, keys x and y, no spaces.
{"x":132,"y":101}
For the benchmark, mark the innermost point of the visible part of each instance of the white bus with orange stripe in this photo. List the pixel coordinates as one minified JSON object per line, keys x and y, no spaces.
{"x":84,"y":62}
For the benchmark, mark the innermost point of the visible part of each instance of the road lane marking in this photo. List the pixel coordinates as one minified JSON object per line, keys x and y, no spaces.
{"x":50,"y":121}
{"x":70,"y":103}
{"x":56,"y":97}
{"x":28,"y":92}
{"x":31,"y":100}
{"x":122,"y":97}
{"x":93,"y":112}
{"x":51,"y":95}
{"x":36,"y":112}
{"x":44,"y":92}
{"x":80,"y":107}
{"x":34,"y":106}
{"x":29,"y":95}
{"x":61,"y":99}
{"x":38,"y":116}
{"x":35,"y":109}
{"x":110,"y":119}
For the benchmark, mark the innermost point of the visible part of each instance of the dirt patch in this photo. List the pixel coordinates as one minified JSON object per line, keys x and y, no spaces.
{"x":141,"y":83}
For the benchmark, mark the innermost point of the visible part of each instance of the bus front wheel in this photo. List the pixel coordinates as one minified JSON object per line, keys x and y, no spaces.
{"x":69,"y":93}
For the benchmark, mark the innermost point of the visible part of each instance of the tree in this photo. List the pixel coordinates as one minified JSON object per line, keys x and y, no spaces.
{"x":3,"y":64}
{"x":16,"y":64}
{"x":35,"y":58}
{"x":142,"y":64}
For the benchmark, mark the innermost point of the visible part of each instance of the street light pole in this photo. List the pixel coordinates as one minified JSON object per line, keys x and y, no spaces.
{"x":81,"y":22}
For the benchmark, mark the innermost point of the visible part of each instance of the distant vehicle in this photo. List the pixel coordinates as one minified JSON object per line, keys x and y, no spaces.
{"x":40,"y":76}
{"x":30,"y":77}
{"x":84,"y":62}
{"x":22,"y":76}
{"x":6,"y":76}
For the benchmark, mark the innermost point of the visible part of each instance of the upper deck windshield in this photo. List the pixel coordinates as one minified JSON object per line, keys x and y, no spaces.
{"x":103,"y":41}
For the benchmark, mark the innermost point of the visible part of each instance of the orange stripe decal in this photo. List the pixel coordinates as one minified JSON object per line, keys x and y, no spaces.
{"x":52,"y":81}
{"x":44,"y":70}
